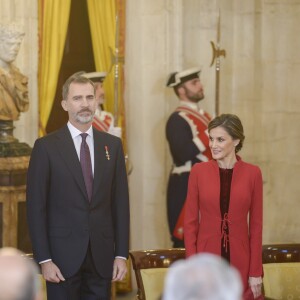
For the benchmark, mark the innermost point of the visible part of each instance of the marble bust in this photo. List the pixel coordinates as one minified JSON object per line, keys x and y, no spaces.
{"x":13,"y":84}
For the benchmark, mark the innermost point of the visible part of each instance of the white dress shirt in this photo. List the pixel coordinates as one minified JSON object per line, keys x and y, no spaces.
{"x":77,"y":139}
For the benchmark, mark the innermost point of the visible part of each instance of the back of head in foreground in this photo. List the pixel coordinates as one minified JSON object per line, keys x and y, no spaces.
{"x":202,"y":277}
{"x":18,"y":276}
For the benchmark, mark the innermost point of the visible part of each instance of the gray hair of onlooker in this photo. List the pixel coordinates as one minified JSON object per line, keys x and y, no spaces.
{"x":203,"y":277}
{"x":18,"y":276}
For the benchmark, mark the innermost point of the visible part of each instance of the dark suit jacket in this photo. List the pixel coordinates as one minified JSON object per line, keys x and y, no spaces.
{"x":61,"y":220}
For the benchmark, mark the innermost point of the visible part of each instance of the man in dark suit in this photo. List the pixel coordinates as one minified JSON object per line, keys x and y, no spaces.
{"x":78,"y":207}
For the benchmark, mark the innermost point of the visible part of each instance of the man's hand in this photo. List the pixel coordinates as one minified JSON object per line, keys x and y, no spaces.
{"x":119,"y":269}
{"x":51,"y":272}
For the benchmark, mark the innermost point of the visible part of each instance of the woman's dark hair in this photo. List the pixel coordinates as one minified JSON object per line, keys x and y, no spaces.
{"x":233,"y":126}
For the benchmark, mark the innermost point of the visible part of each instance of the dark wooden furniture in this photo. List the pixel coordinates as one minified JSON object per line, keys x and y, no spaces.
{"x":281,"y":253}
{"x":278,"y":254}
{"x":152,"y":259}
{"x":13,"y":171}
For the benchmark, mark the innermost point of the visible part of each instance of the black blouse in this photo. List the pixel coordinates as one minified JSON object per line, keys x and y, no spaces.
{"x":225,"y":185}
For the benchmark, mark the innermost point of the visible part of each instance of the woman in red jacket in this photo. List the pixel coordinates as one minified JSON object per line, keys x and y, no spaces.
{"x":223,"y":210}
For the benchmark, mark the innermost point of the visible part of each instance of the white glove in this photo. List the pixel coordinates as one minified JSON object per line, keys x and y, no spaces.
{"x":116,"y":131}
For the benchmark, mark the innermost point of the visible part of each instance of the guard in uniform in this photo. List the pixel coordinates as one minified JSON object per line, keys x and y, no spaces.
{"x":103,"y":120}
{"x":187,"y":135}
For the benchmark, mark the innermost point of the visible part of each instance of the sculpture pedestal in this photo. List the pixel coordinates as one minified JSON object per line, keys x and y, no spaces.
{"x":14,"y":159}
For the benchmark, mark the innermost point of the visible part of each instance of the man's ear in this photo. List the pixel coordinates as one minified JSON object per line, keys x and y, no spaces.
{"x":180,"y":90}
{"x":64,"y":105}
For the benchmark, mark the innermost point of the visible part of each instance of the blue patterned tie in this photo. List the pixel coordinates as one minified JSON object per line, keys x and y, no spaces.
{"x":86,"y":165}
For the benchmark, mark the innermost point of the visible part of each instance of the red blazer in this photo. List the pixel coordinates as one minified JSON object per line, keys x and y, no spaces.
{"x":202,"y":224}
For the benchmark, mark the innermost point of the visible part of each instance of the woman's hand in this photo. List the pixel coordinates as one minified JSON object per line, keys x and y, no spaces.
{"x":255,"y":284}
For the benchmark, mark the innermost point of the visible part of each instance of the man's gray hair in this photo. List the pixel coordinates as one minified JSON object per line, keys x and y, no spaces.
{"x":75,"y":78}
{"x":203,"y":277}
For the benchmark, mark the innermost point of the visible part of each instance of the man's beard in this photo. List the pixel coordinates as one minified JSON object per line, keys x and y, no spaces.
{"x":194,"y":97}
{"x":85,"y":119}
